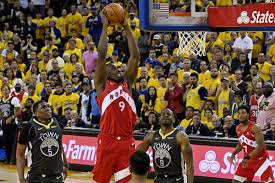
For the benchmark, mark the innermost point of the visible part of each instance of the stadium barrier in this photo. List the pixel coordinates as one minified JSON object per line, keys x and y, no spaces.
{"x":211,"y":155}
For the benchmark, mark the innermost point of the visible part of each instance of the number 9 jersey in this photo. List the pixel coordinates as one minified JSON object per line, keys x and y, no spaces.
{"x":118,"y":110}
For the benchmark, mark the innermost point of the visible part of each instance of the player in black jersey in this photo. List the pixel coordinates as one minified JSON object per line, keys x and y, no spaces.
{"x":43,"y":137}
{"x":169,"y":146}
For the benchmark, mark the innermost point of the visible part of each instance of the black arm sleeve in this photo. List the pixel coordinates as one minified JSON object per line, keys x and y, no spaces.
{"x":203,"y":93}
{"x":62,"y":123}
{"x":26,"y":134}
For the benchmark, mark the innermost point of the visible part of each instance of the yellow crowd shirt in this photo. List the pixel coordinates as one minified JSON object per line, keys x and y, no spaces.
{"x":218,"y":43}
{"x":271,"y":53}
{"x":85,"y":30}
{"x":42,"y":65}
{"x":69,"y":69}
{"x":153,"y":82}
{"x":211,"y":84}
{"x":22,"y":67}
{"x":193,"y":98}
{"x":225,"y":37}
{"x":74,"y":22}
{"x":160,"y":93}
{"x":62,"y":25}
{"x":257,"y":47}
{"x":53,"y":101}
{"x":136,"y":20}
{"x":38,"y":89}
{"x":68,"y":101}
{"x":264,"y":71}
{"x":204,"y":76}
{"x":224,"y":3}
{"x":223,"y":102}
{"x":39,"y":33}
{"x":186,"y":122}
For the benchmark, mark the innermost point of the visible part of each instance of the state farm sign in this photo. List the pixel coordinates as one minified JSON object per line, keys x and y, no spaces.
{"x":214,"y":161}
{"x":209,"y":161}
{"x":82,"y":150}
{"x":256,"y":17}
{"x":242,"y":16}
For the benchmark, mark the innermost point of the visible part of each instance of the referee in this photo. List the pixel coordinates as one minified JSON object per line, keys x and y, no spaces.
{"x":43,"y":137}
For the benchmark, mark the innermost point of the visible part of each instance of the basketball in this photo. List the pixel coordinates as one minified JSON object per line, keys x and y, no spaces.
{"x":115,"y":13}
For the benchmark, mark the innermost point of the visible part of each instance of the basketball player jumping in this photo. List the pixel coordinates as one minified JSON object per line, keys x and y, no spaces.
{"x":118,"y":111}
{"x":256,"y":160}
{"x":169,"y":145}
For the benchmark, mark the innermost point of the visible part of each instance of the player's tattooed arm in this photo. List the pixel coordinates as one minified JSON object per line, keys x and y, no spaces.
{"x":100,"y":71}
{"x":187,"y":153}
{"x":145,"y":144}
{"x":259,"y":137}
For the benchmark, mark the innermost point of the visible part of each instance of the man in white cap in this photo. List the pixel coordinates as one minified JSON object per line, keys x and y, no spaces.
{"x":157,"y":44}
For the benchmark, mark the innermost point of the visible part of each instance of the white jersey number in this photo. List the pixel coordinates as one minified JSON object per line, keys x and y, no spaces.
{"x":121,"y":105}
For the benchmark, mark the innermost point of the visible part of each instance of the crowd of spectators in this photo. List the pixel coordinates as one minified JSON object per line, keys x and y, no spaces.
{"x":49,"y":50}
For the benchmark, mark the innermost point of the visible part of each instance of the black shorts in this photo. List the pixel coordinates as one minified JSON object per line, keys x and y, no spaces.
{"x":41,"y":178}
{"x":176,"y":179}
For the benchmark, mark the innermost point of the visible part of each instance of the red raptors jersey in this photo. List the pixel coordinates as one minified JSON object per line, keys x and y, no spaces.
{"x":253,"y":109}
{"x":19,"y":95}
{"x":118,"y":110}
{"x":248,"y":142}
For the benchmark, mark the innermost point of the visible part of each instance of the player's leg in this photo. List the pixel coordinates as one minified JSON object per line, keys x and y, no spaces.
{"x":125,"y":149}
{"x":103,"y":170}
{"x":243,"y":174}
{"x":264,"y":170}
{"x":267,"y":174}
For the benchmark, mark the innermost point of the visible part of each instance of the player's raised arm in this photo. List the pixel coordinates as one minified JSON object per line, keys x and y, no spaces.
{"x":187,"y":153}
{"x":259,"y":137}
{"x":133,"y":62}
{"x":145,"y":144}
{"x":100,"y":71}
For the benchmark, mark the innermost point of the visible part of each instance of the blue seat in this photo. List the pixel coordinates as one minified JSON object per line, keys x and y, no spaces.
{"x":2,"y":154}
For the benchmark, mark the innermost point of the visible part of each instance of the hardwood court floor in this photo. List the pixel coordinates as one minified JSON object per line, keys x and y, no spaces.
{"x":8,"y":175}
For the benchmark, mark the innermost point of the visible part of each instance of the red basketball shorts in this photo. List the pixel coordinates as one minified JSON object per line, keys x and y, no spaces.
{"x":113,"y":155}
{"x":260,"y":167}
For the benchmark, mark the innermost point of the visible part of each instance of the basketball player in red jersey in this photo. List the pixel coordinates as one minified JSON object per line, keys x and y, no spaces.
{"x":253,"y":103}
{"x":118,"y":111}
{"x":256,"y":161}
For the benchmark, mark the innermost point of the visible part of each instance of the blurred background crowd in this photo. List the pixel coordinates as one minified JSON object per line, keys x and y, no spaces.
{"x":48,"y":52}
